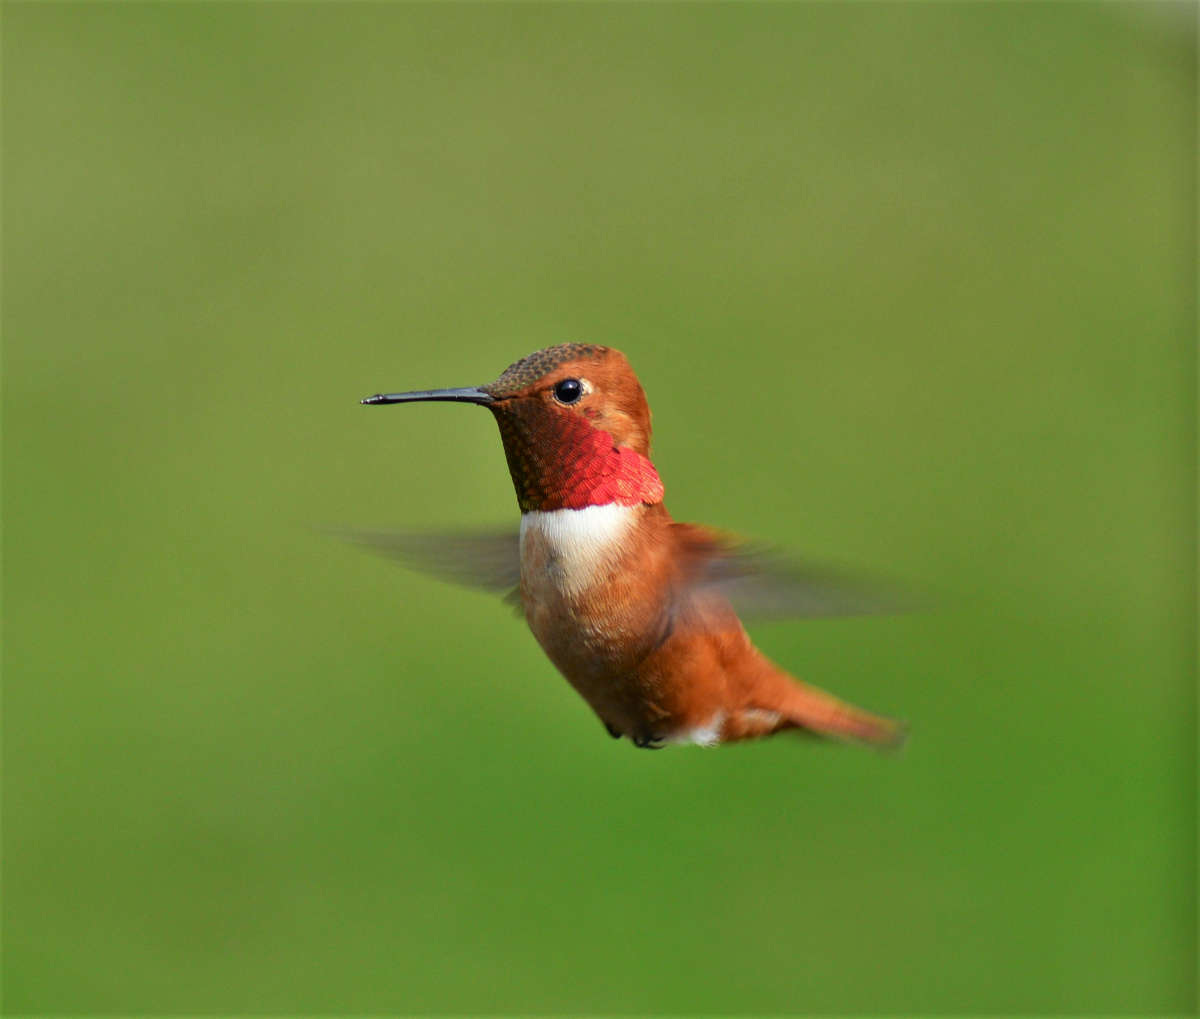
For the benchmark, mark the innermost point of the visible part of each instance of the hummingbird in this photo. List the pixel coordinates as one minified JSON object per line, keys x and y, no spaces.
{"x":638,"y":612}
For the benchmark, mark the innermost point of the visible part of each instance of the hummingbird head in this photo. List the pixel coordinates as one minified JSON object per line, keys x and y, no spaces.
{"x":575,"y":425}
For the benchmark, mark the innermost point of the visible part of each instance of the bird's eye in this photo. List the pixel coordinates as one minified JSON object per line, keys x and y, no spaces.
{"x":568,"y":391}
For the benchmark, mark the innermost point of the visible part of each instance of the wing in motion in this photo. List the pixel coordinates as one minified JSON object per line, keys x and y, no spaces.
{"x":487,"y":560}
{"x":758,"y":582}
{"x":762,"y":583}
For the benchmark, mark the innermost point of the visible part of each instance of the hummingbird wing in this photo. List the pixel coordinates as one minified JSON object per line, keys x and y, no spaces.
{"x":488,"y":560}
{"x":761,"y":583}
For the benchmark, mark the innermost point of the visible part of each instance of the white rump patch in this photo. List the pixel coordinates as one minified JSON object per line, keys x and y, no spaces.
{"x":702,"y":735}
{"x":768,"y":719}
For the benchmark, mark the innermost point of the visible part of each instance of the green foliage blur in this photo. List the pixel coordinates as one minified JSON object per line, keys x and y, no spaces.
{"x":909,"y":287}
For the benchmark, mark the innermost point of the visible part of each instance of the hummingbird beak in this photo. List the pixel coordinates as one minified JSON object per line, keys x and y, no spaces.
{"x":467,"y":395}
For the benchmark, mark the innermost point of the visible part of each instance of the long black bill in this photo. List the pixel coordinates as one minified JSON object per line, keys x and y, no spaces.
{"x":468,"y":395}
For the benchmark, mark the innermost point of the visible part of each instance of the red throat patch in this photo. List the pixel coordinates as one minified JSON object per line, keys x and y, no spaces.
{"x":599,"y":473}
{"x":555,"y":468}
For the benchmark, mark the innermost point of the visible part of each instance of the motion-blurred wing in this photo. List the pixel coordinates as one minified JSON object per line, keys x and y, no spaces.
{"x":758,"y":582}
{"x":491,"y":561}
{"x":763,"y":584}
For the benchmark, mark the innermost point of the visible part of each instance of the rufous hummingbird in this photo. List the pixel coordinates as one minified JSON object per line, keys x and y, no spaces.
{"x":634,"y":609}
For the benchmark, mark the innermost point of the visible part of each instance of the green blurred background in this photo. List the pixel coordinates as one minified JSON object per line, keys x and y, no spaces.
{"x":909,"y":286}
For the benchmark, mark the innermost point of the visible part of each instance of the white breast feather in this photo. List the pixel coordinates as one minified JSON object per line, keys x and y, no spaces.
{"x":571,"y":547}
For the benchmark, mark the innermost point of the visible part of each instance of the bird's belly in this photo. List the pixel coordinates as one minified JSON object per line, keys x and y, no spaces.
{"x":570,"y":565}
{"x":583,"y":600}
{"x":596,"y":599}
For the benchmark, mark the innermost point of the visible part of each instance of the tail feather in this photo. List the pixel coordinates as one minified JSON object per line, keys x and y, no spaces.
{"x":823,"y":714}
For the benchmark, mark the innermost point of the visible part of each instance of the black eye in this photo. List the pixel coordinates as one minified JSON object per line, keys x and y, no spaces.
{"x":568,"y":391}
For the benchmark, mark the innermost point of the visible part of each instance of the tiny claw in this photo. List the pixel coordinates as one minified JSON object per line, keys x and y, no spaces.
{"x":649,"y":742}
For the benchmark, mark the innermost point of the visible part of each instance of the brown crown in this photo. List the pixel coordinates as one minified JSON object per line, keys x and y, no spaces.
{"x":540,"y":363}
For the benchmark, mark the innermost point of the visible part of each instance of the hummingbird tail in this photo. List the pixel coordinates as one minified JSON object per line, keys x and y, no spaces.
{"x":823,"y":714}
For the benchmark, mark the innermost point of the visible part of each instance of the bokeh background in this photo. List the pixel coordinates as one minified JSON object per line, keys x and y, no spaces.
{"x":909,"y":286}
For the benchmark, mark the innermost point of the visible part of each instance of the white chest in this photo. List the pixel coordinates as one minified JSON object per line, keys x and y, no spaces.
{"x":564,"y":552}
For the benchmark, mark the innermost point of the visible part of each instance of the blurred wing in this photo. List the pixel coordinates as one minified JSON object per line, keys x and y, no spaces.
{"x":763,"y":584}
{"x":491,"y":561}
{"x":759,"y":583}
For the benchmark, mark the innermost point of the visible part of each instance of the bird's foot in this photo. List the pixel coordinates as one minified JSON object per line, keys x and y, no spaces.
{"x":649,"y":741}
